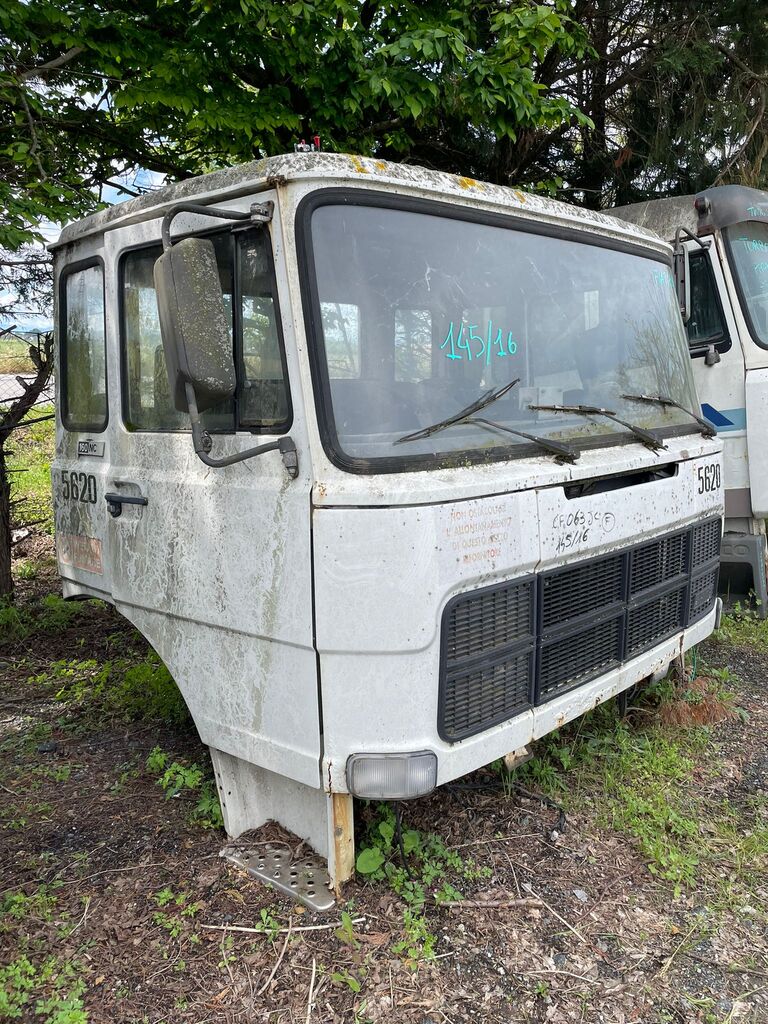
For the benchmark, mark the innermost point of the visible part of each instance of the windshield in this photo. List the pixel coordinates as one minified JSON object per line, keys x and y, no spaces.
{"x":418,"y":314}
{"x":748,"y":244}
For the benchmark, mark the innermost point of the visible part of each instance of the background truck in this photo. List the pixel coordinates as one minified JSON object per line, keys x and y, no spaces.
{"x":727,"y":323}
{"x":396,"y":470}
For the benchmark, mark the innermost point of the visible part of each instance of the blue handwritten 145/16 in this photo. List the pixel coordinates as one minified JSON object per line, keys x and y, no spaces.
{"x":461,"y":337}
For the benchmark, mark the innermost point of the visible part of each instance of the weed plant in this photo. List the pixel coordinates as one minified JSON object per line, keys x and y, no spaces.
{"x":179,"y":777}
{"x":117,"y":689}
{"x":427,"y":879}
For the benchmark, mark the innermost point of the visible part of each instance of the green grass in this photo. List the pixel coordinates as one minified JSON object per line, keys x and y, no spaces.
{"x":49,"y":615}
{"x":14,"y":356}
{"x":33,"y":449}
{"x":649,"y":783}
{"x":638,"y":781}
{"x":742,"y":627}
{"x":119,"y":689}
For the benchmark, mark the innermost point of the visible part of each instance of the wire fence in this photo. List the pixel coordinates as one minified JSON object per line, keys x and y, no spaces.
{"x":26,"y":404}
{"x":18,"y":370}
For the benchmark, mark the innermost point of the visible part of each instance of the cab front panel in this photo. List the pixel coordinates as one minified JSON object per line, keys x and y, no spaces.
{"x":471,"y":627}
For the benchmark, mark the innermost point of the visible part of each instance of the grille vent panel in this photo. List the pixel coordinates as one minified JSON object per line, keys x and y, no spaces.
{"x":577,"y":658}
{"x":655,"y":620}
{"x":581,"y":590}
{"x":495,"y":618}
{"x":705,"y":543}
{"x":517,"y":645}
{"x":658,"y":562}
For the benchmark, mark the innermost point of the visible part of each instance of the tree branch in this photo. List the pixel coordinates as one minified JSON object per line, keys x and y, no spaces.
{"x":53,"y":65}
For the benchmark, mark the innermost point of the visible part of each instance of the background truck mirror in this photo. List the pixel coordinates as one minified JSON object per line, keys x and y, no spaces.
{"x":194,"y":324}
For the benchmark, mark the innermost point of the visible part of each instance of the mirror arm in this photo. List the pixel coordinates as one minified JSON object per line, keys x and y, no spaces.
{"x":259,"y":213}
{"x":202,"y":442}
{"x":688,"y":234}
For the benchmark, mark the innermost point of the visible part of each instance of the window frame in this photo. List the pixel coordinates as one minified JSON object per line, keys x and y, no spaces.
{"x":234,"y":233}
{"x":351,"y":196}
{"x":722,"y":341}
{"x":61,"y":318}
{"x":742,"y":295}
{"x":239,"y":238}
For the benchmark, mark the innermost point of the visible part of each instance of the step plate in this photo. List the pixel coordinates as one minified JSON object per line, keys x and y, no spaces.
{"x":304,"y":879}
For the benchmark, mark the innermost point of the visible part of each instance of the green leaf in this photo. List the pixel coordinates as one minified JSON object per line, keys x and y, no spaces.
{"x":370,"y":860}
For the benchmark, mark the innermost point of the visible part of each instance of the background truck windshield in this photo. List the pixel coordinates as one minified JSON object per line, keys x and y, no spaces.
{"x":416,"y":315}
{"x":749,"y":250}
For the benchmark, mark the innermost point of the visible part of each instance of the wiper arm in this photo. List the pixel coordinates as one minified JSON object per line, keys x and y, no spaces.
{"x":484,"y":400}
{"x":707,"y":429}
{"x":648,"y":439}
{"x":562,"y":452}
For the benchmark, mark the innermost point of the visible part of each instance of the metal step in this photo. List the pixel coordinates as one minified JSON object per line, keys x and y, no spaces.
{"x":305,"y":879}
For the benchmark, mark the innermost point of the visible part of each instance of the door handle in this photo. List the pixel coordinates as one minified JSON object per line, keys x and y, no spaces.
{"x":115,"y":502}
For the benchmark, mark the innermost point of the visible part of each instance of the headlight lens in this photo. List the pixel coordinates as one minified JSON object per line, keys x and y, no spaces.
{"x":392,"y":776}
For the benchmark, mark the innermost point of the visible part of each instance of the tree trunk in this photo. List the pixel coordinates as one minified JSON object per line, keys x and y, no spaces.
{"x":6,"y":581}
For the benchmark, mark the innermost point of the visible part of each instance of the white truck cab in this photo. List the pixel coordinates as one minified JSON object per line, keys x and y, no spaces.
{"x":724,"y":232}
{"x":396,"y":470}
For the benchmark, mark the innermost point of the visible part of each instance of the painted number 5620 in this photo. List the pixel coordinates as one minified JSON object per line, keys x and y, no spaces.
{"x":78,"y":487}
{"x":708,"y":477}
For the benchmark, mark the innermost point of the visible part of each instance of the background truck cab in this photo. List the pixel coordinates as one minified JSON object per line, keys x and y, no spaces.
{"x":728,"y":341}
{"x":451,"y":493}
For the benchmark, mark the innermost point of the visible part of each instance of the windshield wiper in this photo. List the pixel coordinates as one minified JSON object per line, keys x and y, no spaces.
{"x":648,"y":439}
{"x":562,"y":452}
{"x":707,"y":429}
{"x":484,"y":400}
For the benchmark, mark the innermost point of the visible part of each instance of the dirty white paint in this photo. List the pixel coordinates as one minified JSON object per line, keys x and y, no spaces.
{"x":757,"y":440}
{"x":265,"y":594}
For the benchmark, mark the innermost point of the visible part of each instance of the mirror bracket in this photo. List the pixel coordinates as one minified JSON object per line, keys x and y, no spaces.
{"x":203,"y":444}
{"x":712,"y":356}
{"x":259,"y":213}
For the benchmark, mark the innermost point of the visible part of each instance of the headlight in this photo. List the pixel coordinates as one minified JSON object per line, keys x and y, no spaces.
{"x":392,"y":776}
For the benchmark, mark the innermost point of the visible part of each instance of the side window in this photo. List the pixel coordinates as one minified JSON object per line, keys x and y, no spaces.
{"x":706,"y":325}
{"x":341,"y":330}
{"x":83,"y":349}
{"x":147,"y":400}
{"x":413,"y":345}
{"x":264,"y":399}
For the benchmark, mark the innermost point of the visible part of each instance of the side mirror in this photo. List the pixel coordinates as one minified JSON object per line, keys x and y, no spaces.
{"x":682,"y":264}
{"x":194,"y":324}
{"x":195,"y":329}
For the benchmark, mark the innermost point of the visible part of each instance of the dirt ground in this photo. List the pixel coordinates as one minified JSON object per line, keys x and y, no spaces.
{"x":125,"y":912}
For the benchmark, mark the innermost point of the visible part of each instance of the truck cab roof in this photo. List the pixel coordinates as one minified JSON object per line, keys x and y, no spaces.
{"x":701,"y":214}
{"x":336,"y":168}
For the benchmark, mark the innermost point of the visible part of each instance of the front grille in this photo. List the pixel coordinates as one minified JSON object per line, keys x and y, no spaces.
{"x":487,"y":658}
{"x":705,"y":543}
{"x":657,"y":562}
{"x":486,"y":695}
{"x":592,"y":585}
{"x":517,"y":645}
{"x":703,"y":594}
{"x":654,"y":621}
{"x":578,"y":657}
{"x":495,"y":618}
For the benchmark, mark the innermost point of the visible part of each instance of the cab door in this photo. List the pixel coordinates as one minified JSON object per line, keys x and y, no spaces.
{"x":81,"y":466}
{"x":213,"y":564}
{"x":718,"y":367}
